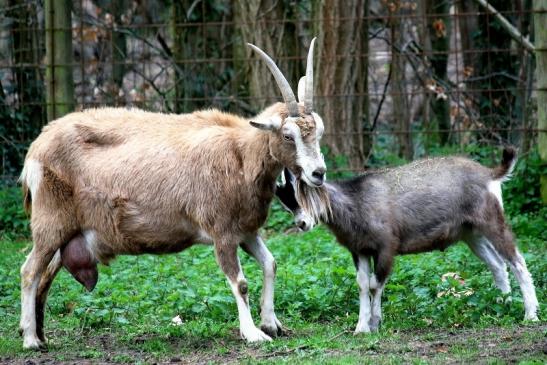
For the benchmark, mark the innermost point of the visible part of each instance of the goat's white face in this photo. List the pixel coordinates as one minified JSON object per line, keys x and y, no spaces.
{"x":296,"y":145}
{"x":299,"y":132}
{"x":304,"y":133}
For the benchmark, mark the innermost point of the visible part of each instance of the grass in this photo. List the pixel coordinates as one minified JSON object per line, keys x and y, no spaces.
{"x":127,"y":318}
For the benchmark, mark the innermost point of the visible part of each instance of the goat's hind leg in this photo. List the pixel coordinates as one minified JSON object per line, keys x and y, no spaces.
{"x":257,"y":249}
{"x":43,"y":289}
{"x":518,"y":267}
{"x":483,"y":249}
{"x":503,"y":242}
{"x":31,"y":275}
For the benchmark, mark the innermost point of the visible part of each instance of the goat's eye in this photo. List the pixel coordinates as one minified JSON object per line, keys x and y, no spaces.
{"x":288,"y":138}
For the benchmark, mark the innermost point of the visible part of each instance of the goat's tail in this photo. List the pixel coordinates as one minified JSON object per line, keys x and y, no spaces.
{"x":27,"y":201}
{"x":24,"y":180}
{"x":508,"y":161}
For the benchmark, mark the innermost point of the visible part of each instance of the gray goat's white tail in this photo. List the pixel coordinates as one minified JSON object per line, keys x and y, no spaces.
{"x":508,"y":162}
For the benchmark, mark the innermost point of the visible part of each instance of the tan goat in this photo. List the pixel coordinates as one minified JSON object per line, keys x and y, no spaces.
{"x":112,"y":181}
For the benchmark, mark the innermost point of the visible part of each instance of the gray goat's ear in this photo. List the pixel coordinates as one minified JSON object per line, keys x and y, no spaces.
{"x":302,"y":89}
{"x":271,"y":123}
{"x":288,"y":176}
{"x":281,"y":182}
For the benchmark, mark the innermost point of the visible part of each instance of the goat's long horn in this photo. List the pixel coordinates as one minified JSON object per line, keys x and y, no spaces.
{"x":286,"y":91}
{"x":308,"y":98}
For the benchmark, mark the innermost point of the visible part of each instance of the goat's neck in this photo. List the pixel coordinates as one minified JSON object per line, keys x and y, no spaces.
{"x":340,"y":203}
{"x":260,"y":167}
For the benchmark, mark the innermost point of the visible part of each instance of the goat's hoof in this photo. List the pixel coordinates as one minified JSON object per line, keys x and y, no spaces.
{"x":273,"y":328}
{"x":33,"y":343}
{"x":361,"y":328}
{"x":43,"y":338}
{"x":531,"y":318}
{"x":504,"y":299}
{"x":375,"y":323}
{"x":255,"y":335}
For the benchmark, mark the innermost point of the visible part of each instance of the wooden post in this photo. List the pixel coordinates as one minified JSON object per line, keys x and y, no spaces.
{"x":340,"y":69}
{"x":177,"y":34}
{"x":540,"y":20}
{"x":119,"y":46}
{"x":439,"y":40}
{"x":59,"y":58}
{"x":401,"y":107}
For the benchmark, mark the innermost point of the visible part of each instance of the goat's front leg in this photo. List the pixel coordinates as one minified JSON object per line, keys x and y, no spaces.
{"x":226,"y":254}
{"x":382,"y":268}
{"x":362,"y":264}
{"x":376,"y":316}
{"x":257,"y":249}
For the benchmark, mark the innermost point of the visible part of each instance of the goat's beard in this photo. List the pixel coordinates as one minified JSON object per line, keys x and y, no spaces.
{"x":314,"y":201}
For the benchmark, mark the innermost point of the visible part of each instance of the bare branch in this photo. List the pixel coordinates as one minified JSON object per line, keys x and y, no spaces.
{"x":513,"y":32}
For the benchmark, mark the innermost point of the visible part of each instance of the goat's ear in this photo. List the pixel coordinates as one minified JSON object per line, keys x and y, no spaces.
{"x":282,"y":181}
{"x":288,"y":176}
{"x":268,"y":124}
{"x":301,"y":89}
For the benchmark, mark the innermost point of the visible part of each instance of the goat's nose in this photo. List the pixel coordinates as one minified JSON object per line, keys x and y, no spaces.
{"x":302,"y":225}
{"x":319,"y":173}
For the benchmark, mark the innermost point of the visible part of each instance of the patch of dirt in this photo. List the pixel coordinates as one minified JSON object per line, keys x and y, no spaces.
{"x":471,"y":345}
{"x":439,"y":346}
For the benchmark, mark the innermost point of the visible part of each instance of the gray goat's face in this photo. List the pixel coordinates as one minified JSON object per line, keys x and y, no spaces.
{"x":286,"y":192}
{"x":300,"y":130}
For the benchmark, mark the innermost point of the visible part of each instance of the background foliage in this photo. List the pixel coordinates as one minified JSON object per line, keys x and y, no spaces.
{"x":397,"y":78}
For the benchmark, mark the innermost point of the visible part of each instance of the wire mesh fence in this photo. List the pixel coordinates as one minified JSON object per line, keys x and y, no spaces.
{"x":405,"y":78}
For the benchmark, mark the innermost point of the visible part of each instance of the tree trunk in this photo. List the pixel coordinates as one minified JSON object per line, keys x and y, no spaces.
{"x":540,"y":19}
{"x":425,"y":41}
{"x":342,"y":74}
{"x":525,"y":78}
{"x":177,"y":33}
{"x":439,"y":37}
{"x":59,"y":58}
{"x":362,"y":85}
{"x":119,"y":46}
{"x":401,"y":109}
{"x":254,"y":19}
{"x":472,"y":62}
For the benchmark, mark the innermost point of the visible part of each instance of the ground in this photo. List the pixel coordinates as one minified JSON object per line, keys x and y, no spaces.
{"x":320,"y":343}
{"x":439,"y":307}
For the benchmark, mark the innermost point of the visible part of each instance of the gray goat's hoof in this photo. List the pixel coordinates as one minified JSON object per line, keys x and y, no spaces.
{"x":374,"y":323}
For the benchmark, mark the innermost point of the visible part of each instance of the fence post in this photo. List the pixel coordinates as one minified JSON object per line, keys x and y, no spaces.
{"x":59,"y":59}
{"x":540,"y":20}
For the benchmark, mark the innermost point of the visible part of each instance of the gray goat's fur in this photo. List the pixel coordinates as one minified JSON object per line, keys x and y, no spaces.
{"x":422,"y":206}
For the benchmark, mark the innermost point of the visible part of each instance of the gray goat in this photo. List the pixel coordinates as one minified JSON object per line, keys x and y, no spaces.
{"x":422,"y":206}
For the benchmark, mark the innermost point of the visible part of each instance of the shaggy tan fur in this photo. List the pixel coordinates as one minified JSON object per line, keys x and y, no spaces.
{"x":152,"y":183}
{"x":134,"y":176}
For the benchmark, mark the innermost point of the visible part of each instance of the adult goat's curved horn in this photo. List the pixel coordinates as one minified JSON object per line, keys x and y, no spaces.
{"x":308,"y":99}
{"x":286,"y":91}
